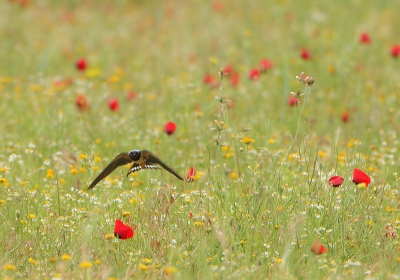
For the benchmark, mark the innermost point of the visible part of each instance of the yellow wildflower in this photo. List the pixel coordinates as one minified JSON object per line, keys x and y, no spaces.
{"x":86,"y":265}
{"x":109,"y":236}
{"x":143,"y":267}
{"x":66,"y":257}
{"x":170,"y":270}
{"x":146,"y":261}
{"x":82,"y":156}
{"x":126,"y":213}
{"x":247,"y":140}
{"x":9,"y":267}
{"x":32,"y":216}
{"x":32,"y":261}
{"x":98,"y":262}
{"x":233,"y":175}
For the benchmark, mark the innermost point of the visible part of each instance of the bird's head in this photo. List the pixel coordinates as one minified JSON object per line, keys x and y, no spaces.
{"x":134,"y":155}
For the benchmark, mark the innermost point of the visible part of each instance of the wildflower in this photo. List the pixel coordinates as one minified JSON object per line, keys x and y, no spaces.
{"x":191,"y":174}
{"x":170,"y":270}
{"x":395,"y":51}
{"x":390,"y":231}
{"x":170,"y":128}
{"x":143,"y":267}
{"x":113,"y":104}
{"x":265,"y":65}
{"x":81,"y":64}
{"x":360,"y":177}
{"x":122,"y":231}
{"x":50,"y":173}
{"x":234,"y":79}
{"x":32,"y":261}
{"x":247,"y":140}
{"x":305,"y":54}
{"x":233,"y":175}
{"x":254,"y":74}
{"x":9,"y":267}
{"x":293,"y":101}
{"x":365,"y":38}
{"x":317,"y":248}
{"x":66,"y":257}
{"x":210,"y":80}
{"x":109,"y":236}
{"x":86,"y":265}
{"x":305,"y":80}
{"x":32,"y":216}
{"x":345,"y":117}
{"x":227,"y":70}
{"x":336,"y":181}
{"x":146,"y":261}
{"x":126,"y":213}
{"x":131,"y":95}
{"x":81,"y":102}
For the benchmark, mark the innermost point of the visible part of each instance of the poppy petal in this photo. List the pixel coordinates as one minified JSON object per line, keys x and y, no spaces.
{"x":317,"y":248}
{"x":122,"y":231}
{"x":336,"y":181}
{"x":360,"y":177}
{"x":190,"y":174}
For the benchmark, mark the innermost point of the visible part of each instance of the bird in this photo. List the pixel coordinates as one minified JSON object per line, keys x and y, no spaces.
{"x":142,"y":159}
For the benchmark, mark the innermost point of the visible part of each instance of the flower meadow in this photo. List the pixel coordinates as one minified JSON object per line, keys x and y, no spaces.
{"x":282,"y":117}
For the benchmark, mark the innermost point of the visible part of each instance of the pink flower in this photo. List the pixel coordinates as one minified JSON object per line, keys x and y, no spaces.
{"x":265,"y":65}
{"x":395,"y":51}
{"x":365,"y":38}
{"x":254,"y":74}
{"x":113,"y":104}
{"x":305,"y":54}
{"x":336,"y":181}
{"x":81,"y":64}
{"x":170,"y":128}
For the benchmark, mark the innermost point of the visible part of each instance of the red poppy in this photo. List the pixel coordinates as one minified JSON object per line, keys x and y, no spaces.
{"x":395,"y":50}
{"x":265,"y":65}
{"x":122,"y":231}
{"x":317,"y":248}
{"x":293,"y":100}
{"x":113,"y":104}
{"x":360,"y":177}
{"x":170,"y":128}
{"x":81,"y":102}
{"x":190,"y":174}
{"x":336,"y":181}
{"x":131,"y":95}
{"x":227,"y":69}
{"x":210,"y":80}
{"x":345,"y":117}
{"x":254,"y":74}
{"x":365,"y":38}
{"x":234,"y":79}
{"x":81,"y":64}
{"x":305,"y":54}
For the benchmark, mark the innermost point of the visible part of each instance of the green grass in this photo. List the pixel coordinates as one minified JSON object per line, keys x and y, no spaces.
{"x":255,"y":210}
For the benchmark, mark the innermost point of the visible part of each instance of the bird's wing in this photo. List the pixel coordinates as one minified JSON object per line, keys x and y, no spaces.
{"x":152,"y":159}
{"x":121,"y":159}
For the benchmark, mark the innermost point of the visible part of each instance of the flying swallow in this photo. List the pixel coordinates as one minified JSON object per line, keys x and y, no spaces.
{"x":141,"y":160}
